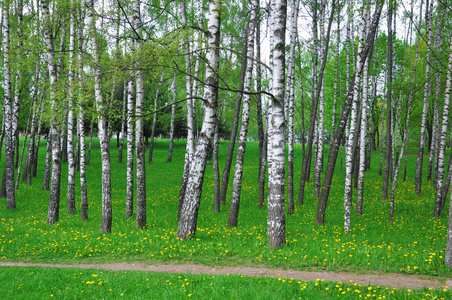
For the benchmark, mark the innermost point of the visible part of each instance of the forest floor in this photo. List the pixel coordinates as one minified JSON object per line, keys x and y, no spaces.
{"x":383,"y":279}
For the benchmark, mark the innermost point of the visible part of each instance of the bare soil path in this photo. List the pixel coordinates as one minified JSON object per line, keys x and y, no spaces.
{"x":390,"y":280}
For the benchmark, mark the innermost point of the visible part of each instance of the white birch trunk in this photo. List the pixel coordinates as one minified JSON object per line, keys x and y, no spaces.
{"x":102,"y":125}
{"x":320,"y":123}
{"x":442,"y":144}
{"x":351,"y":137}
{"x":276,"y":222}
{"x":140,"y":147}
{"x":54,"y":198}
{"x":123,"y":122}
{"x":130,"y":138}
{"x":70,"y":120}
{"x":7,"y":112}
{"x":363,"y":131}
{"x":81,"y":128}
{"x":427,"y":85}
{"x":191,"y":202}
{"x":189,"y":152}
{"x":291,"y":103}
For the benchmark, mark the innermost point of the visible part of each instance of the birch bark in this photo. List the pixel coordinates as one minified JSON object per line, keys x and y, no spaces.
{"x":427,"y":85}
{"x":104,"y":137}
{"x":321,"y":209}
{"x":139,"y":143}
{"x":276,"y":222}
{"x":442,"y":144}
{"x":9,"y":144}
{"x":363,"y":131}
{"x":190,"y":207}
{"x":130,"y":137}
{"x":351,"y":133}
{"x":189,"y":152}
{"x":54,"y":198}
{"x":70,"y":120}
{"x":80,"y":124}
{"x":290,"y":94}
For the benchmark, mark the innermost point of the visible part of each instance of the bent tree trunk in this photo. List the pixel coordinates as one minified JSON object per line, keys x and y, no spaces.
{"x":320,"y":216}
{"x":190,"y":207}
{"x":237,"y":184}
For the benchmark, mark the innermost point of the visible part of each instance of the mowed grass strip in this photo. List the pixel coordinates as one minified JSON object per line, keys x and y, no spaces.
{"x":40,"y":283}
{"x":413,"y":244}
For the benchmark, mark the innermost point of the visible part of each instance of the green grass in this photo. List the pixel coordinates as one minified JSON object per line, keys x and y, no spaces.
{"x":39,"y":283}
{"x":413,"y":244}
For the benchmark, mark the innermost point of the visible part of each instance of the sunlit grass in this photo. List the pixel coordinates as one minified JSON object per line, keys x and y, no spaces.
{"x":413,"y":244}
{"x":39,"y":283}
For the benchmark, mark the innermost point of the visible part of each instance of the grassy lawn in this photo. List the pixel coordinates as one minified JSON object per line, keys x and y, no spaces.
{"x":413,"y":244}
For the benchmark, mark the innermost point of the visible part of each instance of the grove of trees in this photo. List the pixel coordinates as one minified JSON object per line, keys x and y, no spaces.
{"x":341,"y":78}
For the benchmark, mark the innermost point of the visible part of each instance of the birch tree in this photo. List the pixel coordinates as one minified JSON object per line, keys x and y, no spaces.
{"x":70,"y":120}
{"x":363,"y":130}
{"x":427,"y":85}
{"x":276,"y":222}
{"x":102,"y":125}
{"x":173,"y":113}
{"x":54,"y":198}
{"x":290,"y":94}
{"x":154,"y":117}
{"x":130,"y":138}
{"x":7,"y":112}
{"x":191,"y":201}
{"x":442,"y":144}
{"x":139,"y":143}
{"x":351,"y":133}
{"x":241,"y":148}
{"x":189,"y":152}
{"x":321,"y":209}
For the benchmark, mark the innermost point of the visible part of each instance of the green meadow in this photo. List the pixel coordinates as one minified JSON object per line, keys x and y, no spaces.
{"x":413,"y":244}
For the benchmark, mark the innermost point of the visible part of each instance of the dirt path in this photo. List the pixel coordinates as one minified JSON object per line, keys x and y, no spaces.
{"x":390,"y":280}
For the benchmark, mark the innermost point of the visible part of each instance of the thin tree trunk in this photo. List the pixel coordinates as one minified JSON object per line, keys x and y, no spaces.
{"x":173,"y":112}
{"x":351,"y":134}
{"x":9,"y":144}
{"x":70,"y":120}
{"x":388,"y":153}
{"x":30,"y":117}
{"x":291,"y":103}
{"x":241,"y":148}
{"x":363,"y":133}
{"x":88,"y":159}
{"x":189,"y":153}
{"x":318,"y":168}
{"x":442,"y":145}
{"x":235,"y":123}
{"x":321,"y":209}
{"x":81,"y":128}
{"x":123,"y":122}
{"x":420,"y":154}
{"x":130,"y":137}
{"x":102,"y":125}
{"x":140,"y":148}
{"x":154,"y":120}
{"x":216,"y":172}
{"x":54,"y":198}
